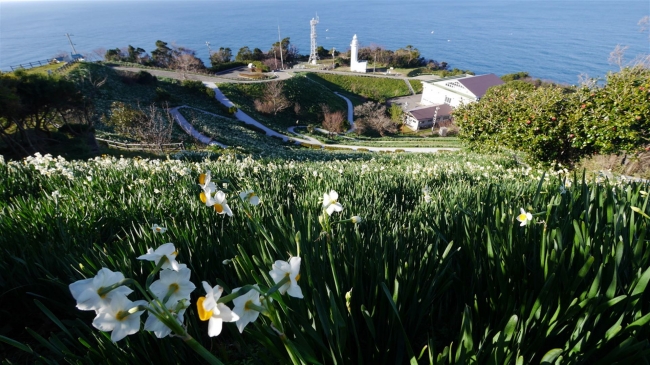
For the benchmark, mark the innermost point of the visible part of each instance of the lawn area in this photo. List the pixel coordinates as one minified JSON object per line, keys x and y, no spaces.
{"x":369,"y":87}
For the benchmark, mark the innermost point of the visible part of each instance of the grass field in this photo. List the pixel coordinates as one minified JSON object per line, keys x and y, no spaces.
{"x":439,"y":271}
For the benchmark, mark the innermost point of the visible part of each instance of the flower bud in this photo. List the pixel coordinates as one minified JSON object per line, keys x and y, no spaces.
{"x":356,"y":219}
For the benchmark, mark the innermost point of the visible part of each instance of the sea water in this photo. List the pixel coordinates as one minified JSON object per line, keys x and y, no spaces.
{"x":551,"y":40}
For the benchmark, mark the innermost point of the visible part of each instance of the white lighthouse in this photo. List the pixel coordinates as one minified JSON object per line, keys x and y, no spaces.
{"x":355,"y":65}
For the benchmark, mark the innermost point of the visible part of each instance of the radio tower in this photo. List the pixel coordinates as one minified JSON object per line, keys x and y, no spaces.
{"x":313,"y":55}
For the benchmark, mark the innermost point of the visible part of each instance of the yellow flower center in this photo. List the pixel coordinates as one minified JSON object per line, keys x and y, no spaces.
{"x":297,"y":277}
{"x":103,"y":296}
{"x":121,"y":315}
{"x":203,"y":314}
{"x":521,"y":217}
{"x":202,"y":179}
{"x":218,"y":208}
{"x":247,"y":305}
{"x":174,"y":287}
{"x":203,"y":197}
{"x":250,"y":195}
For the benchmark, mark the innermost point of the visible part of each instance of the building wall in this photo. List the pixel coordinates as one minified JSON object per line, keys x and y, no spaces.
{"x":432,"y":94}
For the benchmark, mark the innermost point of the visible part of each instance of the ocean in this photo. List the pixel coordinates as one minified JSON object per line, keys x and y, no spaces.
{"x":551,"y":40}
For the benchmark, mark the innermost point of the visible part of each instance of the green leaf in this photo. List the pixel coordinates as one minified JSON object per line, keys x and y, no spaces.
{"x":550,"y":356}
{"x":16,"y":344}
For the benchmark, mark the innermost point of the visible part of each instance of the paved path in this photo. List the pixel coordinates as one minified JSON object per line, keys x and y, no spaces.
{"x":282,"y":75}
{"x":350,"y":111}
{"x":187,"y":127}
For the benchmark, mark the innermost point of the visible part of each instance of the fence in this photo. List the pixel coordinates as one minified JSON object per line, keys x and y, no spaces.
{"x":143,"y":146}
{"x":29,"y":65}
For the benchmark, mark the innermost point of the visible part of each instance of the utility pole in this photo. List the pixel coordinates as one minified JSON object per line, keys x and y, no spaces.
{"x":280,"y":43}
{"x":74,"y":51}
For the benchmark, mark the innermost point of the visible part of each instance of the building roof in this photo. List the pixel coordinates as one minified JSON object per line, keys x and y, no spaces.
{"x":427,"y":112}
{"x":478,"y":85}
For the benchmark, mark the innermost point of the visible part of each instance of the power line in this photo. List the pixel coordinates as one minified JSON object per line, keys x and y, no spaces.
{"x":74,"y":51}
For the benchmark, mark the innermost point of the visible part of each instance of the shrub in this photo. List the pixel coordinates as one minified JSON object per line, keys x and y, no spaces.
{"x":162,"y":95}
{"x":194,"y":85}
{"x":562,"y":124}
{"x":145,"y":78}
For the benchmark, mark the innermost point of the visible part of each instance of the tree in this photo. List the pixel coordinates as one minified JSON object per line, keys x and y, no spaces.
{"x":273,"y":99}
{"x":162,"y":55}
{"x":135,"y":55}
{"x":184,"y":60}
{"x":114,"y":55}
{"x":31,"y":105}
{"x":332,"y":121}
{"x":372,"y":118}
{"x":223,"y":55}
{"x":244,"y":54}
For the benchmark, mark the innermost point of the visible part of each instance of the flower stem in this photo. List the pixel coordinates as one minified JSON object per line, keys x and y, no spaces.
{"x":205,"y":354}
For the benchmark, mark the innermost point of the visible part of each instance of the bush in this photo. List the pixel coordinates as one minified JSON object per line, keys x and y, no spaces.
{"x":162,"y":95}
{"x":145,"y":78}
{"x":227,"y":66}
{"x":194,"y":85}
{"x":560,"y":124}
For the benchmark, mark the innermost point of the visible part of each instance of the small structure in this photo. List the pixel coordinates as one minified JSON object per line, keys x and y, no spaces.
{"x":77,"y":57}
{"x":313,"y":54}
{"x":423,"y":117}
{"x":457,"y":90}
{"x":355,"y":64}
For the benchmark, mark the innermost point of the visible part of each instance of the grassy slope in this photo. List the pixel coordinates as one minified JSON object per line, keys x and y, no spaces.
{"x":368,"y":87}
{"x":298,"y":89}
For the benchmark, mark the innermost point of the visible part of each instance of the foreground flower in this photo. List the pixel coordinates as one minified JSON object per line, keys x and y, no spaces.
{"x":246,"y":307}
{"x":215,"y":313}
{"x":330,"y":204}
{"x":524,"y":217}
{"x":290,"y":270}
{"x":173,"y":284}
{"x":165,"y":252}
{"x":89,"y":292}
{"x":158,"y":229}
{"x":121,"y":317}
{"x":218,"y":201}
{"x":250,"y":197}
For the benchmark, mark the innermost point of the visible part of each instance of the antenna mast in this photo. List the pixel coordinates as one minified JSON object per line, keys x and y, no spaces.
{"x":74,"y":51}
{"x":313,"y":55}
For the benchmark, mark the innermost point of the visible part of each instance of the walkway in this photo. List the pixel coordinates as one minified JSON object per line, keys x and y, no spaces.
{"x":187,"y":127}
{"x":350,"y":111}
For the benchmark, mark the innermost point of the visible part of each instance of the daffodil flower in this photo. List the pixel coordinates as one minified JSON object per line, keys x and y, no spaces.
{"x":173,"y":285}
{"x":215,"y":313}
{"x":158,"y":229}
{"x":207,"y":186}
{"x":291,"y":270}
{"x":250,"y":197}
{"x":524,"y":217}
{"x":247,"y":307}
{"x":89,"y":293}
{"x":330,"y":203}
{"x":166,"y":251}
{"x":121,"y":317}
{"x":218,"y":201}
{"x":356,"y":219}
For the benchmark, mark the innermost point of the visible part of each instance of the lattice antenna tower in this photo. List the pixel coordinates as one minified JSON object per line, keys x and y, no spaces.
{"x":313,"y":55}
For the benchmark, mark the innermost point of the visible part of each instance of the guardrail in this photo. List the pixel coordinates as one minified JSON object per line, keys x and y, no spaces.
{"x":29,"y":65}
{"x":143,"y":146}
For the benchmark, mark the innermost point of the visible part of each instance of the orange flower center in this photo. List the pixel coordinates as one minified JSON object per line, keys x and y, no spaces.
{"x":202,"y":179}
{"x":203,"y":314}
{"x":203,"y":197}
{"x":218,"y":208}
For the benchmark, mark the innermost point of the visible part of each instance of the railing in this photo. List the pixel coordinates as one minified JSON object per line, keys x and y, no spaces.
{"x":29,"y":65}
{"x":143,"y":146}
